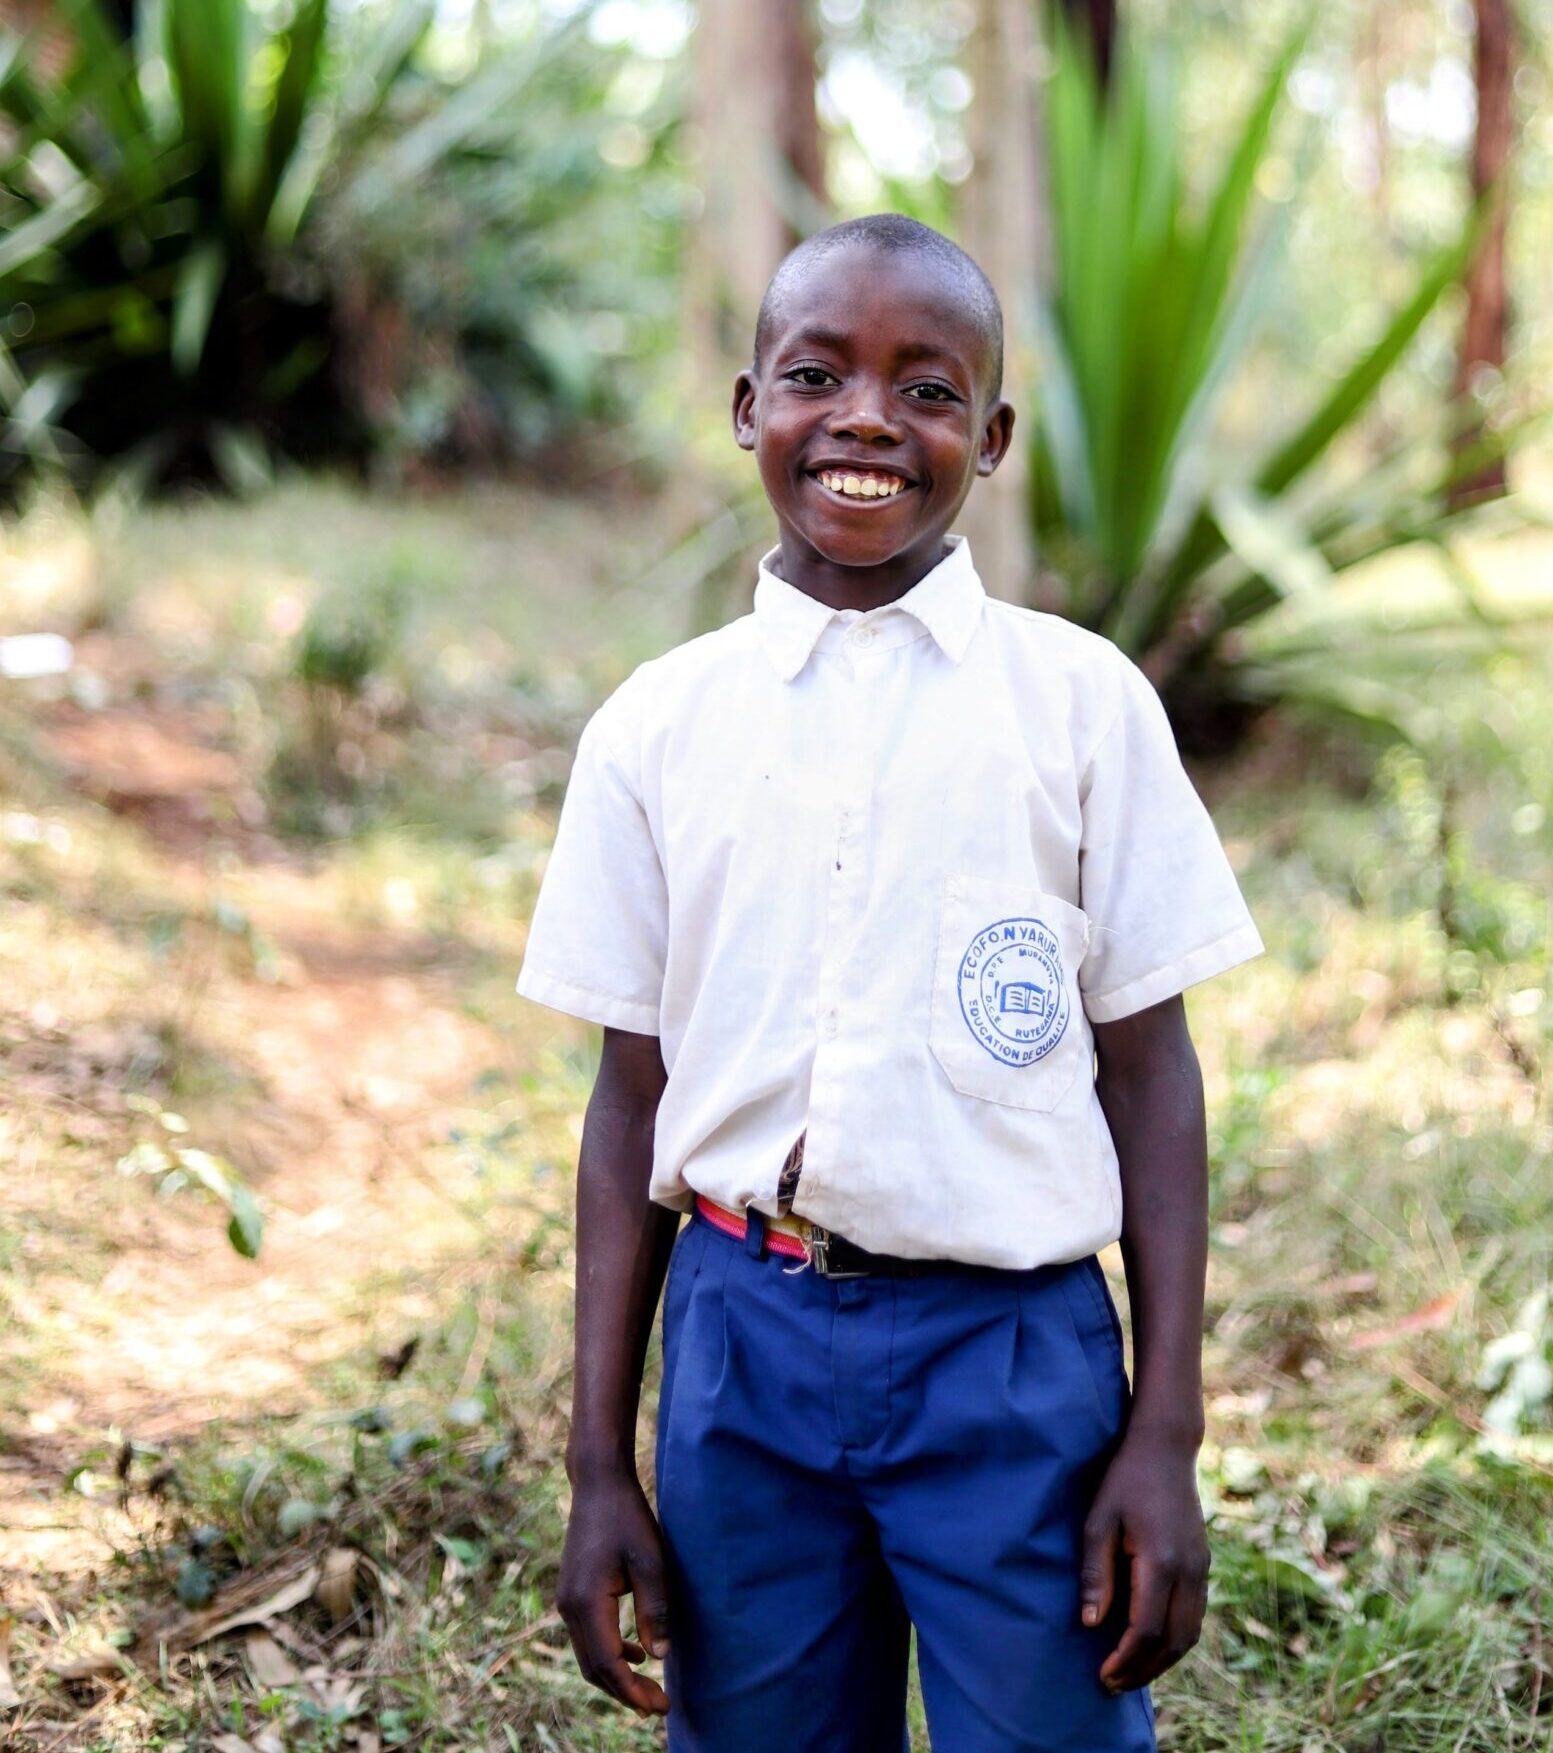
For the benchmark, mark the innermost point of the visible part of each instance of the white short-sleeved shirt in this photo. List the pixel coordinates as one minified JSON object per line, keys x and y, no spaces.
{"x":875,"y":875}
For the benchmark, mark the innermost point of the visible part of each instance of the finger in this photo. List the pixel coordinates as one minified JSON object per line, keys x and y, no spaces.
{"x":1183,"y":1626}
{"x":614,"y":1675}
{"x":1124,"y":1668}
{"x":1147,"y":1611}
{"x":1097,"y":1573}
{"x":636,"y":1691}
{"x":644,"y":1695}
{"x":1151,"y":1670}
{"x":650,"y":1596}
{"x":1163,"y":1652}
{"x":601,"y":1655}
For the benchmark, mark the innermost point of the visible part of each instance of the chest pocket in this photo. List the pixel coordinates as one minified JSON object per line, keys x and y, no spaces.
{"x":1007,"y":1024}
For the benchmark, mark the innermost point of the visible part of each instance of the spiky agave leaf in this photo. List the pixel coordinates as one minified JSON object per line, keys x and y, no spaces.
{"x":1145,"y":301}
{"x":1149,"y":309}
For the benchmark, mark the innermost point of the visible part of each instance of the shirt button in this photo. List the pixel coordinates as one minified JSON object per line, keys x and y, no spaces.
{"x":830,"y":1025}
{"x":862,"y":636}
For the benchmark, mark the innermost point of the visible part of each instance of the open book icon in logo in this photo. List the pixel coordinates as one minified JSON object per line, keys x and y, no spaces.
{"x":1013,"y":994}
{"x":1025,"y":997}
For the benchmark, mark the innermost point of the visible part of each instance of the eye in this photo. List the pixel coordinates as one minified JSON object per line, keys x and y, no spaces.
{"x":933,"y":392}
{"x":812,"y":377}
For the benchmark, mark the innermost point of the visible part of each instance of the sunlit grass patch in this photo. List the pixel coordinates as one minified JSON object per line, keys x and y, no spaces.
{"x":1392,"y":1611}
{"x":366,"y":660}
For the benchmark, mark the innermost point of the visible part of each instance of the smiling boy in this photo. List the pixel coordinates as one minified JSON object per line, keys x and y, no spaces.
{"x":886,"y":895}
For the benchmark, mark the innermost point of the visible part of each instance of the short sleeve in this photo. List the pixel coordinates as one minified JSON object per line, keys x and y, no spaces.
{"x":1165,"y":910}
{"x":597,"y":941}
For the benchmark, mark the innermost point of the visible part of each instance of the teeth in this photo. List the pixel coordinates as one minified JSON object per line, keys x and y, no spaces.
{"x":862,"y":486}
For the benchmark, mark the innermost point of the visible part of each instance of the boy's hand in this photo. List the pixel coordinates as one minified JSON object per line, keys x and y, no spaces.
{"x":613,"y":1548}
{"x":1151,"y":1090}
{"x":1147,"y":1505}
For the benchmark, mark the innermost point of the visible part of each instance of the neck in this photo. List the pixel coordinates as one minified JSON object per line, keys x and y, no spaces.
{"x":855,"y":587}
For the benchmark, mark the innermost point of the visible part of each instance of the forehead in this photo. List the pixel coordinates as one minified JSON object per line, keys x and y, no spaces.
{"x":879,"y":301}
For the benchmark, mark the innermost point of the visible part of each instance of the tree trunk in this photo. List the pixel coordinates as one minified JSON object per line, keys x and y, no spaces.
{"x":1096,"y":20}
{"x":482,"y":26}
{"x":1003,"y":225}
{"x":795,"y":125}
{"x":761,"y":170}
{"x":1483,"y":331}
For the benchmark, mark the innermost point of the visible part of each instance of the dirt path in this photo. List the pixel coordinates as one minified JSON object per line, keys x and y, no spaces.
{"x":138,"y":1321}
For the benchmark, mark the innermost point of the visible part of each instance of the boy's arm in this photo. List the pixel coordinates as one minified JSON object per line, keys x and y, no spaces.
{"x":613,"y":1546}
{"x":1151,"y":1090}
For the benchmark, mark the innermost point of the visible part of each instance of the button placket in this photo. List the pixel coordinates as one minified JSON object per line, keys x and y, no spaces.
{"x":845,"y":887}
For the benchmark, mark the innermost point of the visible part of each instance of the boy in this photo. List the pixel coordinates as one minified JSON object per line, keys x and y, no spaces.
{"x":862,"y":888}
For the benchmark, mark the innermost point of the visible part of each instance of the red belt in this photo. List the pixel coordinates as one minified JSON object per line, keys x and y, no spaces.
{"x":782,"y":1233}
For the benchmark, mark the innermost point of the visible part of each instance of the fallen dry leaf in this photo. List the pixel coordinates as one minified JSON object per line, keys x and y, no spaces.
{"x":386,"y":1579}
{"x":287,"y":1596}
{"x":230,"y":1744}
{"x":96,"y":1662}
{"x":10,"y":1698}
{"x":337,"y":1694}
{"x":268,"y":1662}
{"x":290,"y":1639}
{"x":337,"y":1583}
{"x":1432,"y":1316}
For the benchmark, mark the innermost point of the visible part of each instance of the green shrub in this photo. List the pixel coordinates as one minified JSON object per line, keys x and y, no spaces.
{"x":1150,"y":312}
{"x":225,"y":238}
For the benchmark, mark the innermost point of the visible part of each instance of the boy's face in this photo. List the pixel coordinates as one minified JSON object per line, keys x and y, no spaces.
{"x":875,"y":370}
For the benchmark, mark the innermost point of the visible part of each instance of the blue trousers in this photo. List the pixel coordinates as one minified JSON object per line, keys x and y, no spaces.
{"x":842,"y":1459}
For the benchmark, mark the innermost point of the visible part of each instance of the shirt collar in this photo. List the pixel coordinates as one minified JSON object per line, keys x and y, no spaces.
{"x":946,"y":601}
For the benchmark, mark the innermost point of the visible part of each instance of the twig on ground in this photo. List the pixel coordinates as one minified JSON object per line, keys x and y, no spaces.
{"x":1537,"y":1669}
{"x":406,"y":1159}
{"x":480,"y":1349}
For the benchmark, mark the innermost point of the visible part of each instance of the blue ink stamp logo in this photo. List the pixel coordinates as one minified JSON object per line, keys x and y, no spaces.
{"x":1012,"y":993}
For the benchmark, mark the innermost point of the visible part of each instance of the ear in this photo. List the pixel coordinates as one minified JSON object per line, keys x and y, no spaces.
{"x":744,"y":392}
{"x":996,"y":435}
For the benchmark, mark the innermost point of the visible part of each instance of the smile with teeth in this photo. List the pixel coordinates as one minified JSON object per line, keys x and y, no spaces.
{"x":869,"y":484}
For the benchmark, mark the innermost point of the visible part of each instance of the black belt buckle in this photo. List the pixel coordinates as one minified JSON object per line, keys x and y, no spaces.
{"x":834,"y":1256}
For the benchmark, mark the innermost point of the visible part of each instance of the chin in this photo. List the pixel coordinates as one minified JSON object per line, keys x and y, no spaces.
{"x":855,"y":547}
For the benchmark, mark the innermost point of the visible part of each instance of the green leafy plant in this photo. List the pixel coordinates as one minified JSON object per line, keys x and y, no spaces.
{"x":519,"y":289}
{"x":175,"y":1165}
{"x":151,"y":184}
{"x":1153,"y":303}
{"x":185,"y":215}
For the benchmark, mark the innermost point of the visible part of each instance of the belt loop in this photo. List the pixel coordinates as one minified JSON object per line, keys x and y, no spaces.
{"x":754,"y":1233}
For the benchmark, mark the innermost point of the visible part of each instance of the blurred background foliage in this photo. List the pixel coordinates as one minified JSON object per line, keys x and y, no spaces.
{"x":529,"y":235}
{"x":320,"y":231}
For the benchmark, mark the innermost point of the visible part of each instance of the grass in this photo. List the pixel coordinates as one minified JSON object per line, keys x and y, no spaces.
{"x":269,"y":878}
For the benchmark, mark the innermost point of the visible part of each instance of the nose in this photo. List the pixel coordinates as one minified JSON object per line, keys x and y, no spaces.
{"x":863,"y":415}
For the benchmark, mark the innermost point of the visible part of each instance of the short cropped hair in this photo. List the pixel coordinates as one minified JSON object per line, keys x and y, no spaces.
{"x":890,"y":232}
